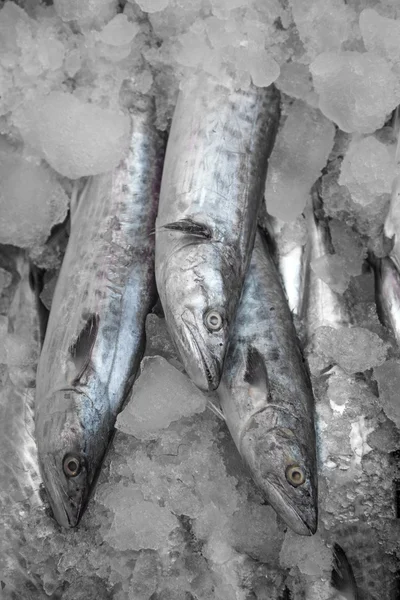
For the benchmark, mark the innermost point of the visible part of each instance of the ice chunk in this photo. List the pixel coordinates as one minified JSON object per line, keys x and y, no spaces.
{"x":348,"y":245}
{"x":137,"y":524}
{"x":86,"y":588}
{"x":255,"y":531}
{"x":357,"y":91}
{"x":295,"y":80}
{"x":331,"y":269}
{"x":152,"y":6}
{"x":358,"y":438}
{"x":145,"y":576}
{"x":367,"y":170}
{"x":5,"y":279}
{"x":380,"y":34}
{"x":301,"y":150}
{"x":11,"y":17}
{"x":309,"y":554}
{"x":76,"y":138}
{"x":119,"y":31}
{"x":323,"y":25}
{"x":385,"y":438}
{"x":388,"y":378}
{"x":31,"y":202}
{"x":73,"y":62}
{"x":86,"y":12}
{"x":160,"y":395}
{"x":354,"y":349}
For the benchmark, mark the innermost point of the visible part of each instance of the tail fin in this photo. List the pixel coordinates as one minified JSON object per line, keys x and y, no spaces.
{"x":343,"y":579}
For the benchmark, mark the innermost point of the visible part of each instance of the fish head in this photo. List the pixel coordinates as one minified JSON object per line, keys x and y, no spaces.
{"x":198,"y":296}
{"x":64,"y":460}
{"x":281,"y":455}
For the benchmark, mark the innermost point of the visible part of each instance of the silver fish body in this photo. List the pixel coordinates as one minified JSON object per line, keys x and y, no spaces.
{"x":266,"y":397}
{"x":19,"y":474}
{"x":290,"y":264}
{"x":320,"y":305}
{"x":96,"y":329}
{"x":212,"y":186}
{"x":387,"y":293}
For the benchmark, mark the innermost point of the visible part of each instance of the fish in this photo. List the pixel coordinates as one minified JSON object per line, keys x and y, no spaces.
{"x":343,"y":580}
{"x":95,"y":335}
{"x":319,"y":305}
{"x":290,"y":264}
{"x":20,"y":493}
{"x":387,"y":293}
{"x":266,"y":397}
{"x":341,"y":585}
{"x":211,"y":191}
{"x":391,"y":227}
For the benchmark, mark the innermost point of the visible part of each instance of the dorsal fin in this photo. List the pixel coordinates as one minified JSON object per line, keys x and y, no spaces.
{"x":190,"y":227}
{"x":81,"y":349}
{"x":256,"y":373}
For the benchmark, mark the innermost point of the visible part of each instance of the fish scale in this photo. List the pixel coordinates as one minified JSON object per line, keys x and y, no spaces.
{"x":95,"y":334}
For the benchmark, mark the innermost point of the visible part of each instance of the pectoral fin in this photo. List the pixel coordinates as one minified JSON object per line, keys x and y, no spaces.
{"x":81,"y":349}
{"x":190,"y":227}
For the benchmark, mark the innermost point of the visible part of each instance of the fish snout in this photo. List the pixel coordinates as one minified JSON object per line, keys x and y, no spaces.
{"x":202,"y":363}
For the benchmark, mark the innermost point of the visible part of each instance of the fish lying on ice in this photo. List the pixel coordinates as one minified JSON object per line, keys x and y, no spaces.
{"x":320,"y":305}
{"x":212,"y":186}
{"x":95,"y":334}
{"x":290,"y":265}
{"x":19,"y":475}
{"x":387,"y":294}
{"x":266,"y":397}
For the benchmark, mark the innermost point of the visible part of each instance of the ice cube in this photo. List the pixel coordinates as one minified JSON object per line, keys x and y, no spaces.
{"x":119,"y":31}
{"x":160,"y":395}
{"x":31,"y":202}
{"x":357,"y":91}
{"x":152,"y":6}
{"x":360,"y":431}
{"x":295,"y":80}
{"x":86,"y":12}
{"x":137,"y":524}
{"x":354,"y":349}
{"x":145,"y":575}
{"x":255,"y":531}
{"x":300,"y":152}
{"x":323,"y":25}
{"x":76,"y":138}
{"x":388,"y":378}
{"x":380,"y":34}
{"x":367,"y":170}
{"x":5,"y":279}
{"x":86,"y":588}
{"x":309,"y":554}
{"x":331,"y":269}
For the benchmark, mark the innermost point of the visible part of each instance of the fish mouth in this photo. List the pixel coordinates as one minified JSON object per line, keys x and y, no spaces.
{"x":301,"y":524}
{"x":203,"y":368}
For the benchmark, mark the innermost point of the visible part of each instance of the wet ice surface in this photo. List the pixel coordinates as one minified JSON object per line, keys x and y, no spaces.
{"x":175,"y":514}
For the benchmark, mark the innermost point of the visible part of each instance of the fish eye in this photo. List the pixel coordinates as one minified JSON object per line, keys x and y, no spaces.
{"x":295,"y":475}
{"x":213,"y":320}
{"x":71,"y":465}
